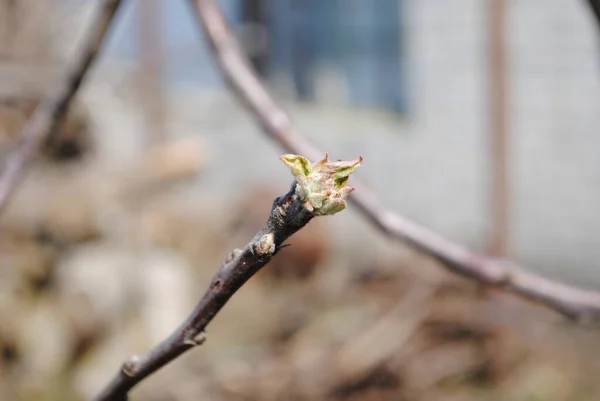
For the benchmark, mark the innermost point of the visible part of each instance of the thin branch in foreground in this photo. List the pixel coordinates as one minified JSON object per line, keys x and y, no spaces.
{"x":576,"y":303}
{"x":319,"y":189}
{"x":55,"y":104}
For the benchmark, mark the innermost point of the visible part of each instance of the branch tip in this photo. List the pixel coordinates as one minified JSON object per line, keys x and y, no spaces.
{"x":322,"y":185}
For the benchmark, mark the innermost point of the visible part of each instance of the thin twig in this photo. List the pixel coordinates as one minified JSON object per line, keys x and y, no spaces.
{"x":573,"y":302}
{"x":289,"y":213}
{"x":55,"y":104}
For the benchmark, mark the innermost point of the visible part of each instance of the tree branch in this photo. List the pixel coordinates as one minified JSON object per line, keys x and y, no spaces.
{"x":595,"y":8}
{"x":573,"y":302}
{"x":55,"y":104}
{"x":316,"y":191}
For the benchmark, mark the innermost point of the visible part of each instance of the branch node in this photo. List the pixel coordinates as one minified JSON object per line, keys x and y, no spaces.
{"x":265,"y":245}
{"x":195,"y":338}
{"x":216,"y":285}
{"x":130,"y":366}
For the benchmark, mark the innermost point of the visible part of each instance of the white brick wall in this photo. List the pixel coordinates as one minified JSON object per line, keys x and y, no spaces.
{"x":555,"y":101}
{"x":555,"y":118}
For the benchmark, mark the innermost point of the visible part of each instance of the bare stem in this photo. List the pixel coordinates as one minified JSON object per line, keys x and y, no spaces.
{"x":55,"y":104}
{"x":573,"y":302}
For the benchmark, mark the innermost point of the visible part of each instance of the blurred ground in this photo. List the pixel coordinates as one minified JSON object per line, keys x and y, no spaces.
{"x":105,"y":253}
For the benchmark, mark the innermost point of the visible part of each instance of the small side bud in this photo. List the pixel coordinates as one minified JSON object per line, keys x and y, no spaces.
{"x":195,"y":339}
{"x":265,"y":245}
{"x":129,"y":367}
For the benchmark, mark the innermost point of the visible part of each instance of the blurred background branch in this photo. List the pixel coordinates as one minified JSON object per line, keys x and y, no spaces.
{"x":152,"y":63}
{"x":575,"y":303}
{"x":55,"y":104}
{"x":595,"y":5}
